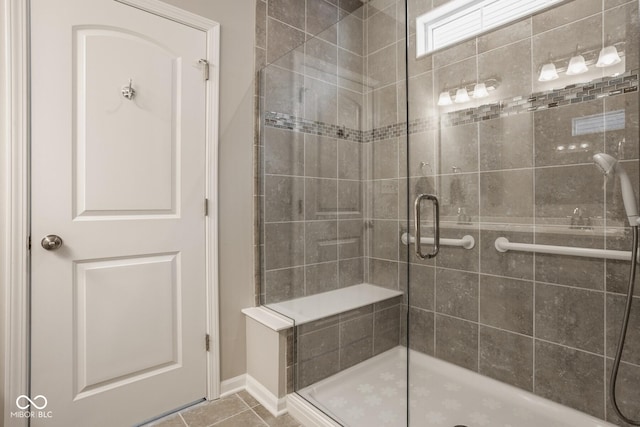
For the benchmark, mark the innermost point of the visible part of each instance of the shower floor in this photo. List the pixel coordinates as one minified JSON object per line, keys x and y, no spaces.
{"x":373,"y":393}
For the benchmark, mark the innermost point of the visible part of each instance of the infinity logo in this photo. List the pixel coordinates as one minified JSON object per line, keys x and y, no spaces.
{"x":31,"y":402}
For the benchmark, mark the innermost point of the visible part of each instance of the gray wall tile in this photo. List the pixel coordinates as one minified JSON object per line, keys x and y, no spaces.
{"x":284,"y":152}
{"x":381,"y":29}
{"x":322,"y":17}
{"x":514,"y":264}
{"x":507,"y":196}
{"x":291,"y":12}
{"x":286,"y":245}
{"x":321,"y":241}
{"x":457,"y":341}
{"x":506,"y":35}
{"x":386,"y":329}
{"x":507,"y":304}
{"x":615,"y":311}
{"x":321,"y":277}
{"x":506,"y":143}
{"x":506,"y":357}
{"x":569,"y":270}
{"x":554,"y":129}
{"x":283,"y":198}
{"x":321,"y":199}
{"x":282,"y":39}
{"x":626,"y":392}
{"x":383,"y":273}
{"x":285,"y":284}
{"x":569,"y":316}
{"x":350,"y":272}
{"x":421,"y":330}
{"x":422,"y":286}
{"x":457,"y":293}
{"x":560,"y":190}
{"x":570,"y":377}
{"x":565,"y":14}
{"x":320,"y":155}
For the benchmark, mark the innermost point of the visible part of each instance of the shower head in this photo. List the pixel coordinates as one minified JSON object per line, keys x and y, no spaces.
{"x":605,"y":163}
{"x":609,"y":165}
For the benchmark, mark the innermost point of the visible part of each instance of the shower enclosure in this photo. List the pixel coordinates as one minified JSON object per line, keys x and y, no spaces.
{"x":496,"y":108}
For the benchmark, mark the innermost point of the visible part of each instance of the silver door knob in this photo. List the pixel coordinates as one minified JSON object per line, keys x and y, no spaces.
{"x":51,"y":242}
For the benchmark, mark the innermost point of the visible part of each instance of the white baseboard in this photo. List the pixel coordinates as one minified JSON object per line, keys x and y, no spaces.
{"x":233,"y":385}
{"x":307,"y":414}
{"x":277,"y":406}
{"x":296,"y":406}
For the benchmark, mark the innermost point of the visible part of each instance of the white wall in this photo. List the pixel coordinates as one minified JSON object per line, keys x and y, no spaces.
{"x":237,"y":22}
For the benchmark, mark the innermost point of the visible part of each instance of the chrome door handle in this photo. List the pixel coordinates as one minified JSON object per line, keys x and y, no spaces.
{"x":436,"y":226}
{"x":51,"y":242}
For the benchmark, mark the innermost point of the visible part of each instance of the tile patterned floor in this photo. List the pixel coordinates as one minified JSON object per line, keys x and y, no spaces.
{"x":237,"y":410}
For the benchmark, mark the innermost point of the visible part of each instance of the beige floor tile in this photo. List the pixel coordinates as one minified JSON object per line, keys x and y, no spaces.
{"x":247,"y":418}
{"x":248,"y":399}
{"x":282,"y":421}
{"x":168,"y":421}
{"x":209,"y":413}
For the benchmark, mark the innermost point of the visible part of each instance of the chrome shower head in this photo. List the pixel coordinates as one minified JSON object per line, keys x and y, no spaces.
{"x":605,"y":163}
{"x":609,"y":165}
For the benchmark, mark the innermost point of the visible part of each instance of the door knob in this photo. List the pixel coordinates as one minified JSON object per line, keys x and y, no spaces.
{"x":51,"y":242}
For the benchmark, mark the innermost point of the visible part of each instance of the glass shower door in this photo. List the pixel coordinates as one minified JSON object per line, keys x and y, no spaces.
{"x":502,"y":128}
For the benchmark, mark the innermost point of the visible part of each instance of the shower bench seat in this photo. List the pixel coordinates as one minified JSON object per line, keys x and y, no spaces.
{"x":269,"y":335}
{"x":319,"y":306}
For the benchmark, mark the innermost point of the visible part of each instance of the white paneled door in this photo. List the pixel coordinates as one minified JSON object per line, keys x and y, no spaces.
{"x":118,"y":174}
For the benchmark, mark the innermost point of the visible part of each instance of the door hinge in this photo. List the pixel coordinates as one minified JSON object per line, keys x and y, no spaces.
{"x":29,"y":243}
{"x":207,"y":342}
{"x":205,"y":68}
{"x":206,"y":207}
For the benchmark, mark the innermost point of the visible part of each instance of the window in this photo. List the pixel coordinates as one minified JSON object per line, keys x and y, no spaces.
{"x":462,"y":19}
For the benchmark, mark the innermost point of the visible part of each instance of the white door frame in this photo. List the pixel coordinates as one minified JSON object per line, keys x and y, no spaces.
{"x":15,"y":191}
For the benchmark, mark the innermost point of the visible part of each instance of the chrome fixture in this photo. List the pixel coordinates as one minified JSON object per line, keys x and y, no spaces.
{"x":424,"y":165}
{"x":610,"y":166}
{"x":465,"y":92}
{"x":463,"y":218}
{"x":578,"y":221}
{"x":51,"y":242}
{"x":579,"y":63}
{"x":436,"y":226}
{"x":128,"y":91}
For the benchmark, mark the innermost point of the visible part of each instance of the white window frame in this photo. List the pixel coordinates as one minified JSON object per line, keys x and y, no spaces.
{"x":429,"y":22}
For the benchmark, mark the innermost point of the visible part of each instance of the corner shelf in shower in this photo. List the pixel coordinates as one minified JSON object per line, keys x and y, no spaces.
{"x":314,"y":307}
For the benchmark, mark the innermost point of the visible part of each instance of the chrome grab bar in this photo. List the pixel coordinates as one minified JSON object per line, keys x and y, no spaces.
{"x":436,"y":226}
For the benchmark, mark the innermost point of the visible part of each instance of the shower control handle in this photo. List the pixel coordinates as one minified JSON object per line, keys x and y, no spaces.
{"x":51,"y":242}
{"x":436,"y":226}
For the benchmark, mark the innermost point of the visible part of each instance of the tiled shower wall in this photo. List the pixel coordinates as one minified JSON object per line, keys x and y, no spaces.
{"x":547,"y":324}
{"x":311,"y":240}
{"x":314,"y":146}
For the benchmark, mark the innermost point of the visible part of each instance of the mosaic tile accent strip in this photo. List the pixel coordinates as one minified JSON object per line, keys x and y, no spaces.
{"x":572,"y":94}
{"x":298,"y":124}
